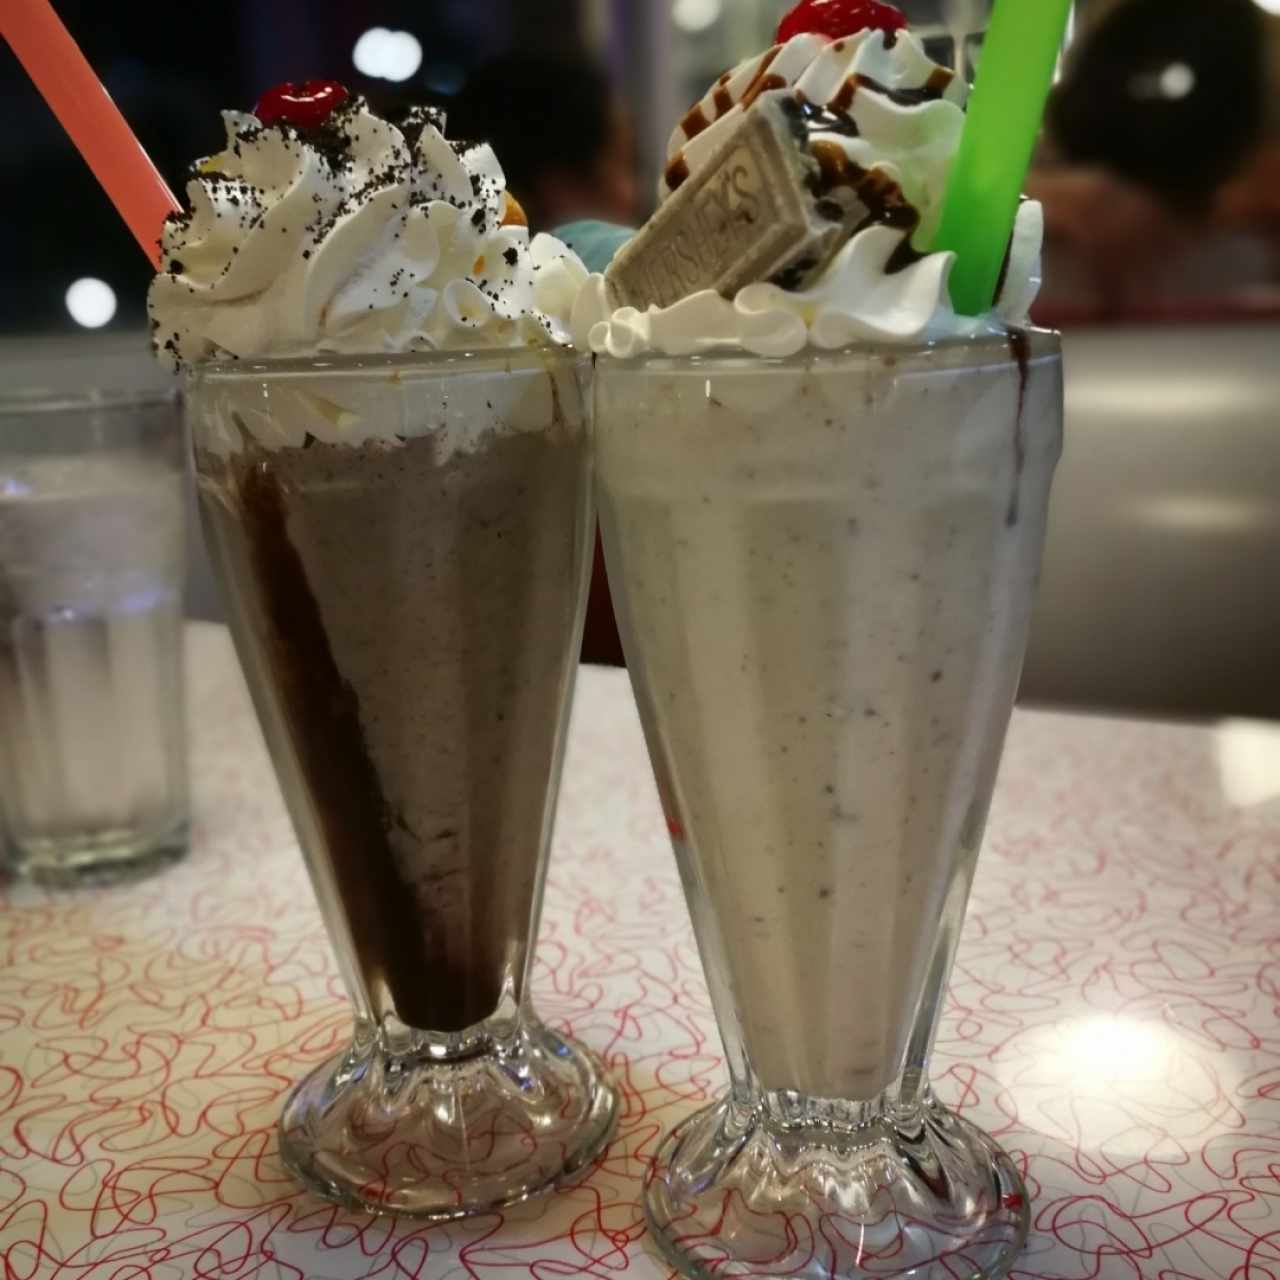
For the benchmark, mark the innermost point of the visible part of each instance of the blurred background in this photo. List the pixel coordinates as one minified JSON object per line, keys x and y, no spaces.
{"x":1160,"y":173}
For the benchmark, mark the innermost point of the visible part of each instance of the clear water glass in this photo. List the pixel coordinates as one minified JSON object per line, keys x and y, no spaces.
{"x":93,"y":760}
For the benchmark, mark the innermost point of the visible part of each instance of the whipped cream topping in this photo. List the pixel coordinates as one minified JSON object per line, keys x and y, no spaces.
{"x":877,"y":105}
{"x":908,"y":111}
{"x":357,"y":237}
{"x":858,"y":299}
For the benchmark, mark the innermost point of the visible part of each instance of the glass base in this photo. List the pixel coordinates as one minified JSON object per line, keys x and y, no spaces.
{"x":93,"y":862}
{"x":443,"y":1138}
{"x":734,"y":1192}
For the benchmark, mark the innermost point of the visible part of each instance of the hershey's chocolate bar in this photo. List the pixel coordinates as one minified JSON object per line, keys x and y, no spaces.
{"x":748,"y":215}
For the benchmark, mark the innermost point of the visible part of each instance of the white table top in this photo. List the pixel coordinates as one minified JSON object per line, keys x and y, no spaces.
{"x":1114,"y":1018}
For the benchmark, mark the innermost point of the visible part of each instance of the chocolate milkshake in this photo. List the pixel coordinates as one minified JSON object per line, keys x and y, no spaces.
{"x":392,"y":445}
{"x":416,"y":615}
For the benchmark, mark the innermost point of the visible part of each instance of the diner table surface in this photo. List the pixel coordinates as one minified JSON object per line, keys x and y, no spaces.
{"x":1113,"y":1017}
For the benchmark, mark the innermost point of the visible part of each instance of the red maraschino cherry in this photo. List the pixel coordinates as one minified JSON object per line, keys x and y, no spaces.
{"x":840,"y":18}
{"x":307,"y":105}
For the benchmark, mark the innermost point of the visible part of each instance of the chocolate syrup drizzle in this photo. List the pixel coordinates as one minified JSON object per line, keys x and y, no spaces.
{"x":881,"y":197}
{"x":1020,"y":348}
{"x":388,"y":927}
{"x":696,"y":121}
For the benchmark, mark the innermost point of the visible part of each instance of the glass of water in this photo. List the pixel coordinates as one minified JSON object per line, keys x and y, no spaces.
{"x":93,"y":774}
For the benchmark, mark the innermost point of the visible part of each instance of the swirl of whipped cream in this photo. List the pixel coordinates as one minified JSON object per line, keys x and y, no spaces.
{"x":858,"y":299}
{"x":907,"y":110}
{"x":881,"y":115}
{"x":357,"y":237}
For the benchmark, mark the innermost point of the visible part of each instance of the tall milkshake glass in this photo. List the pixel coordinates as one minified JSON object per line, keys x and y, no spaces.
{"x":404,"y":543}
{"x":824,"y":568}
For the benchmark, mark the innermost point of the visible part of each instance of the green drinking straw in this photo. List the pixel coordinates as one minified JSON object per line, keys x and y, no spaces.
{"x":1014,"y":77}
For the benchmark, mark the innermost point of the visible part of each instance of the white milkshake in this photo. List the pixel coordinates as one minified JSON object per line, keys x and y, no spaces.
{"x":826,"y":569}
{"x":824,"y":495}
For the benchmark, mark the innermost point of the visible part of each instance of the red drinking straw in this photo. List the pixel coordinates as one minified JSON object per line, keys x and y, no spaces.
{"x":84,"y":108}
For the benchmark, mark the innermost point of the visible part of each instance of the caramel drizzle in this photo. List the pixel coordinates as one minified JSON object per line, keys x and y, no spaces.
{"x":722,"y":102}
{"x":940,"y":79}
{"x":766,"y":84}
{"x":677,"y":172}
{"x":695,"y":122}
{"x":762,"y":77}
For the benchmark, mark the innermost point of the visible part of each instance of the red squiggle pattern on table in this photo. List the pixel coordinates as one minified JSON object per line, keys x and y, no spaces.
{"x":1114,"y":1019}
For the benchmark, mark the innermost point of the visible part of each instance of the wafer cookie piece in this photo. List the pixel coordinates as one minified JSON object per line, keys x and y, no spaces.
{"x":750,"y":214}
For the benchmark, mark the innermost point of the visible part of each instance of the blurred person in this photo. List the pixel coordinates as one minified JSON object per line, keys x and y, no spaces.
{"x":569,"y":152}
{"x":1163,"y":149}
{"x":566,"y":142}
